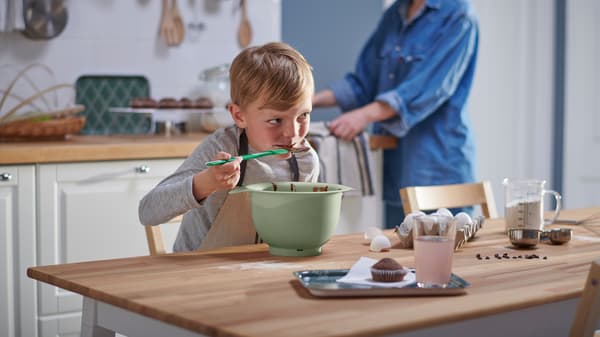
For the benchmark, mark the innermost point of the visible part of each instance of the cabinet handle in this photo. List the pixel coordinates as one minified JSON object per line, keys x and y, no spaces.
{"x":142,"y":169}
{"x":5,"y":176}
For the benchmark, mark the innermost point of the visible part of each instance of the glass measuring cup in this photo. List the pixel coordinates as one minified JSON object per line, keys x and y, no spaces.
{"x":524,"y":203}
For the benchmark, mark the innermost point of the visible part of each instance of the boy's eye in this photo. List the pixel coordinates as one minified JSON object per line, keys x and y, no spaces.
{"x":274,"y":121}
{"x":304,"y":116}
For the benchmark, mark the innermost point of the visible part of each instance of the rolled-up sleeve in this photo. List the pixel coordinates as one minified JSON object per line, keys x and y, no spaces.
{"x":433,"y":80}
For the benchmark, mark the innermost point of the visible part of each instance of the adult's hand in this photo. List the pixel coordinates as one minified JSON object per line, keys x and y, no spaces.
{"x":349,"y":125}
{"x":353,"y":122}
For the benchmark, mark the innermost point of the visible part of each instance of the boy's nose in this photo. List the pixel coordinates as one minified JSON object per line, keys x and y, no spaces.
{"x":291,"y":130}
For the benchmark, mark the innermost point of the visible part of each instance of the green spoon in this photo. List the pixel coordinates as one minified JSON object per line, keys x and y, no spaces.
{"x":248,"y":156}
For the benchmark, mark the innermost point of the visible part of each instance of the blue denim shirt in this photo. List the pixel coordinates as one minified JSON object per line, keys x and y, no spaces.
{"x":423,"y":69}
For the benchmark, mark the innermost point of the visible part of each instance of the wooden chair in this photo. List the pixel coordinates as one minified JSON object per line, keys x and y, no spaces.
{"x":154,"y":237}
{"x":588,"y":310}
{"x":419,"y":198}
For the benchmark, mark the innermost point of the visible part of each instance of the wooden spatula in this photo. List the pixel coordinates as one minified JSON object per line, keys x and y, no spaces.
{"x":245,"y":30}
{"x":179,"y":28}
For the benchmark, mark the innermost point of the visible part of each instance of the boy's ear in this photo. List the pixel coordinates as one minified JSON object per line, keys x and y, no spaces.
{"x":238,"y":116}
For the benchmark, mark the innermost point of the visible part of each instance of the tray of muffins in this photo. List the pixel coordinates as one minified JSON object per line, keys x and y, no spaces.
{"x":176,"y":111}
{"x":169,"y":105}
{"x":367,"y":277}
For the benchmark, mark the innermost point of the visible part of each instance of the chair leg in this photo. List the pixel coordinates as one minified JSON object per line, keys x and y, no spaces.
{"x":155,"y":240}
{"x":588,"y":310}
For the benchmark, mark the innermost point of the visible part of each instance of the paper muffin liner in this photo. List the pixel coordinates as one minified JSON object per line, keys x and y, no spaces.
{"x":385,"y":275}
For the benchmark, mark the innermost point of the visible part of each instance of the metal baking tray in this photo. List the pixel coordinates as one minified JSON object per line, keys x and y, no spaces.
{"x":322,"y":283}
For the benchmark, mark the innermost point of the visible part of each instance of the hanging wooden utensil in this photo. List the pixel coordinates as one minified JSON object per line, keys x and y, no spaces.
{"x":245,"y":30}
{"x":167,"y":31}
{"x":178,"y":21}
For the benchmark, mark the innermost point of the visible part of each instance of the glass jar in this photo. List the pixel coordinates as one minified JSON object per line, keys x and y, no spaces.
{"x":215,"y":84}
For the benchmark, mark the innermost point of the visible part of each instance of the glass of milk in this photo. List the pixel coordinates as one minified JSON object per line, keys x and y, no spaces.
{"x":433,"y":242}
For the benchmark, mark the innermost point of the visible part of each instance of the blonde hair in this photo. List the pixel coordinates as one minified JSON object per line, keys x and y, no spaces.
{"x":275,"y":71}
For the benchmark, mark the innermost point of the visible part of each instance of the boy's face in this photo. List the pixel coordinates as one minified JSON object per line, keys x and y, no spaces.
{"x":267,"y":128}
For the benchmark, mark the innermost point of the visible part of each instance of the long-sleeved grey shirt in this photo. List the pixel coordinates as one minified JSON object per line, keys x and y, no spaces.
{"x":173,"y":195}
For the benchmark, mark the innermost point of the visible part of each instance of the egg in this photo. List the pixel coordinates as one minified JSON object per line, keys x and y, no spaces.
{"x":379,"y":243}
{"x":371,"y":233}
{"x":443,"y":211}
{"x":463,"y":219}
{"x":410,"y":218}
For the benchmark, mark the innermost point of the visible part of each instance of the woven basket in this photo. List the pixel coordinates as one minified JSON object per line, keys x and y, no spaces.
{"x":50,"y":122}
{"x":41,"y":130}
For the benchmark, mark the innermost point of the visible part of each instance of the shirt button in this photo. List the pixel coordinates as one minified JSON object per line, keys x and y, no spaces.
{"x":391,"y":76}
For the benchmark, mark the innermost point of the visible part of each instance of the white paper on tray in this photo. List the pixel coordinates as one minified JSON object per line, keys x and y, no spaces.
{"x":360,"y":273}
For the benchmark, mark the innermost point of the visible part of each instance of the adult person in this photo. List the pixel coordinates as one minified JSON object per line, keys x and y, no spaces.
{"x":412,"y":80}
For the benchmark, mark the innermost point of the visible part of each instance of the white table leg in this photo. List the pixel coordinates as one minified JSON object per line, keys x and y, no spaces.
{"x":89,"y":321}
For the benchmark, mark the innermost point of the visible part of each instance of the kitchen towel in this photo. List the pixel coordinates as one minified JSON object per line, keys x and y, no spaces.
{"x":360,"y":273}
{"x":343,"y":162}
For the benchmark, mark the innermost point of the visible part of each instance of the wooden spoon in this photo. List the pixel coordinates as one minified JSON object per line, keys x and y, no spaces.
{"x":167,"y":27}
{"x":179,"y":28}
{"x":245,"y":30}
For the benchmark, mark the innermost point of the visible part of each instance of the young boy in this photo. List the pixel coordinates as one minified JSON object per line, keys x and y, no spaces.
{"x":271,"y":100}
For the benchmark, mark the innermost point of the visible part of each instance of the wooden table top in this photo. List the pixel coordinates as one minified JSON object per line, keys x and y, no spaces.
{"x":244,"y":291}
{"x":99,"y":148}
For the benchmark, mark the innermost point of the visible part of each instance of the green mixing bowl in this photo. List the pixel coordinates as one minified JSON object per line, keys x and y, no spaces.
{"x":295,"y":218}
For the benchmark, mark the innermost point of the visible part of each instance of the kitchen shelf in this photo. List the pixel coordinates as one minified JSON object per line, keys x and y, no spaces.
{"x":167,"y":115}
{"x":170,"y":117}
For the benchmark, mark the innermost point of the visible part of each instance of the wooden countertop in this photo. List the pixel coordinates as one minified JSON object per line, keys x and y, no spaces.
{"x":121,"y":147}
{"x":98,"y":148}
{"x":244,"y":291}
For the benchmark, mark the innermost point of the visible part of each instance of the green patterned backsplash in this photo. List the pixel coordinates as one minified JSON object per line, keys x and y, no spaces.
{"x":99,"y":93}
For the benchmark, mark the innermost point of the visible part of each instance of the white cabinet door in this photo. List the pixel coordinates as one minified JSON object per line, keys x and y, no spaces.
{"x":89,"y":211}
{"x":17,"y":251}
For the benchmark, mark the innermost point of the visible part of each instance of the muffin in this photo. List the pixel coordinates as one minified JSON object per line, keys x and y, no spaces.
{"x":387,"y":270}
{"x":169,"y":103}
{"x":186,"y":103}
{"x":143,"y":102}
{"x":203,"y":103}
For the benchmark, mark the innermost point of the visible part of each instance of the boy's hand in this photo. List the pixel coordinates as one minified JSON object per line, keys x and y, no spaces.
{"x":220,"y":177}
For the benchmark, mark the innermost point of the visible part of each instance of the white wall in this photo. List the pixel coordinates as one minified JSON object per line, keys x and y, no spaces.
{"x":511,"y":100}
{"x":582,"y":104}
{"x":110,"y":37}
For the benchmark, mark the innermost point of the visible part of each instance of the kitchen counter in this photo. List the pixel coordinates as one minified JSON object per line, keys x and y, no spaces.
{"x":78,"y":148}
{"x":97,"y":148}
{"x":244,"y":291}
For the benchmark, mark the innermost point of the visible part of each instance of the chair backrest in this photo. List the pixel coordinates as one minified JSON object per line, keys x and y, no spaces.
{"x":588,"y":310}
{"x":154,"y":237}
{"x":419,"y":198}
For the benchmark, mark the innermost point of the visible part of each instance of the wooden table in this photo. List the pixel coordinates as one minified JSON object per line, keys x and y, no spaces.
{"x":243,"y":291}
